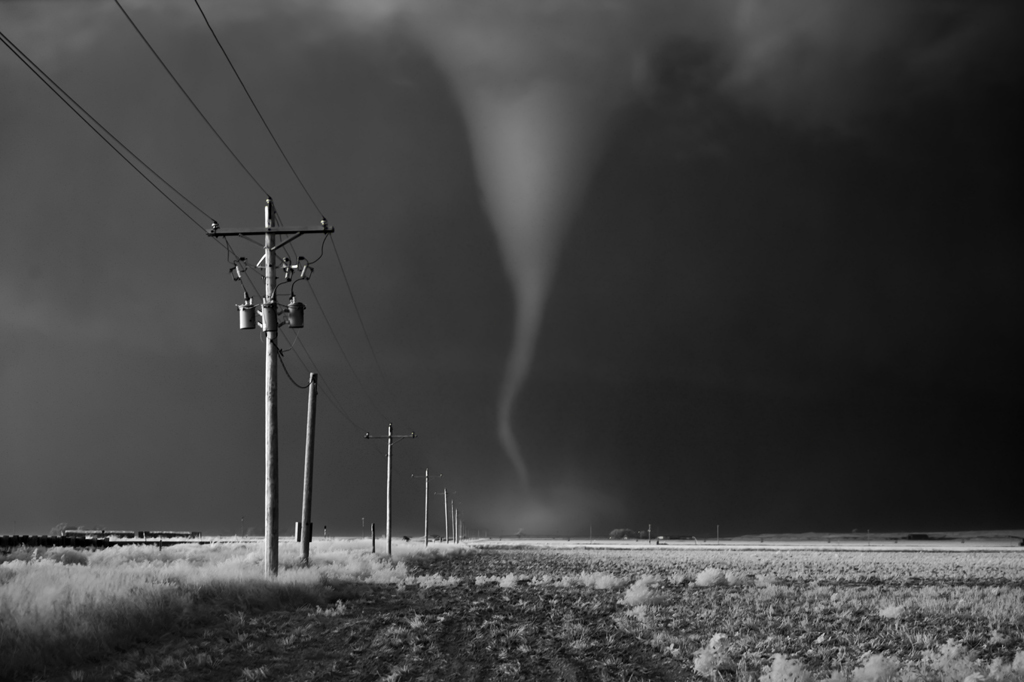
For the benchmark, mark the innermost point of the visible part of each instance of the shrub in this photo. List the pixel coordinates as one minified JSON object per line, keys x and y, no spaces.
{"x":714,"y":659}
{"x":710,"y":577}
{"x":623,"y":534}
{"x":641,"y":592}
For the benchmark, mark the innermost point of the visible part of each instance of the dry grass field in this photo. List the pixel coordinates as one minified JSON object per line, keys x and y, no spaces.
{"x":545,"y":611}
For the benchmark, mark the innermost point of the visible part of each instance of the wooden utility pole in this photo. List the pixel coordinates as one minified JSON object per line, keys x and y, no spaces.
{"x":453,"y":518}
{"x":391,"y":438}
{"x":455,"y":524}
{"x":269,"y":325}
{"x":307,"y":476}
{"x":426,"y":504}
{"x":445,"y":493}
{"x":270,"y":515}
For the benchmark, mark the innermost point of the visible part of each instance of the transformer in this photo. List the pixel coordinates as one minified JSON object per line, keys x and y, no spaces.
{"x":246,"y":315}
{"x":296,"y":314}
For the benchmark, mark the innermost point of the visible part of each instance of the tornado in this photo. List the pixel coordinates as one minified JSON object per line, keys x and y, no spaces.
{"x":537,"y":89}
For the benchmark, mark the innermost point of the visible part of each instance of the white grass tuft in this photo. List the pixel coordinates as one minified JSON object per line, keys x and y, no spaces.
{"x":602,"y":581}
{"x":711,"y":577}
{"x":642,"y":592}
{"x":714,"y":659}
{"x":893,"y":611}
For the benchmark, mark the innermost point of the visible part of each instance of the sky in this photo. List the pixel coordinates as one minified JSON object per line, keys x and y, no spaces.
{"x":751,"y":265}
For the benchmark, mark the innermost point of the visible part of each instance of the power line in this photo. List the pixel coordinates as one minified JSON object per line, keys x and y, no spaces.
{"x":194,"y":105}
{"x":280,"y":354}
{"x":344,"y":354}
{"x":358,"y":314}
{"x":331,"y":397}
{"x":106,"y":135}
{"x":79,"y":111}
{"x":328,"y":392}
{"x":258,"y":113}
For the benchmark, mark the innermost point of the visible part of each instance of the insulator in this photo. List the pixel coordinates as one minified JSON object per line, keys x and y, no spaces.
{"x":296,"y":314}
{"x":246,"y":315}
{"x":269,"y":317}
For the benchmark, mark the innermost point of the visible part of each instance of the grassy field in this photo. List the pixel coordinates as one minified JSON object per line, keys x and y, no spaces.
{"x":569,"y":611}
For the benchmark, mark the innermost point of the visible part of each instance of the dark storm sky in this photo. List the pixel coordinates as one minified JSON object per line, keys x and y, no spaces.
{"x":785,"y":292}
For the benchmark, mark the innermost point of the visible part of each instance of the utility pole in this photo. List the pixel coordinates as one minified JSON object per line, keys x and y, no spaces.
{"x":269,"y":326}
{"x":445,"y":493}
{"x":391,"y":438}
{"x":426,"y":503}
{"x":307,"y":477}
{"x":455,"y":524}
{"x":453,"y":517}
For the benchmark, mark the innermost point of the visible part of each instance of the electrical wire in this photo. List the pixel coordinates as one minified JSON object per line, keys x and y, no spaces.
{"x":194,"y":105}
{"x":280,"y":355}
{"x":344,"y":354}
{"x":105,"y":135}
{"x":358,"y":314}
{"x":328,"y":392}
{"x":257,"y":109}
{"x":311,"y":262}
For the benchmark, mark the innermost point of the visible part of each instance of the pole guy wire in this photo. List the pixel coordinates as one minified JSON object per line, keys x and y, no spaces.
{"x":191,"y":101}
{"x":257,"y":109}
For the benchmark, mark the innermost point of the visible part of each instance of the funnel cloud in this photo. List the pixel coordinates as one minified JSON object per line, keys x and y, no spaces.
{"x":537,"y":98}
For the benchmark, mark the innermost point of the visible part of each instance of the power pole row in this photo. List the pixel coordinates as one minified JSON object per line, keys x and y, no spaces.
{"x":426,"y":504}
{"x":269,"y":326}
{"x":445,"y":494}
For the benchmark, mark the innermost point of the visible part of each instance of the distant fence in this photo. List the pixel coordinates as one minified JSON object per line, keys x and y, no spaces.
{"x":101,"y":538}
{"x":137,"y":534}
